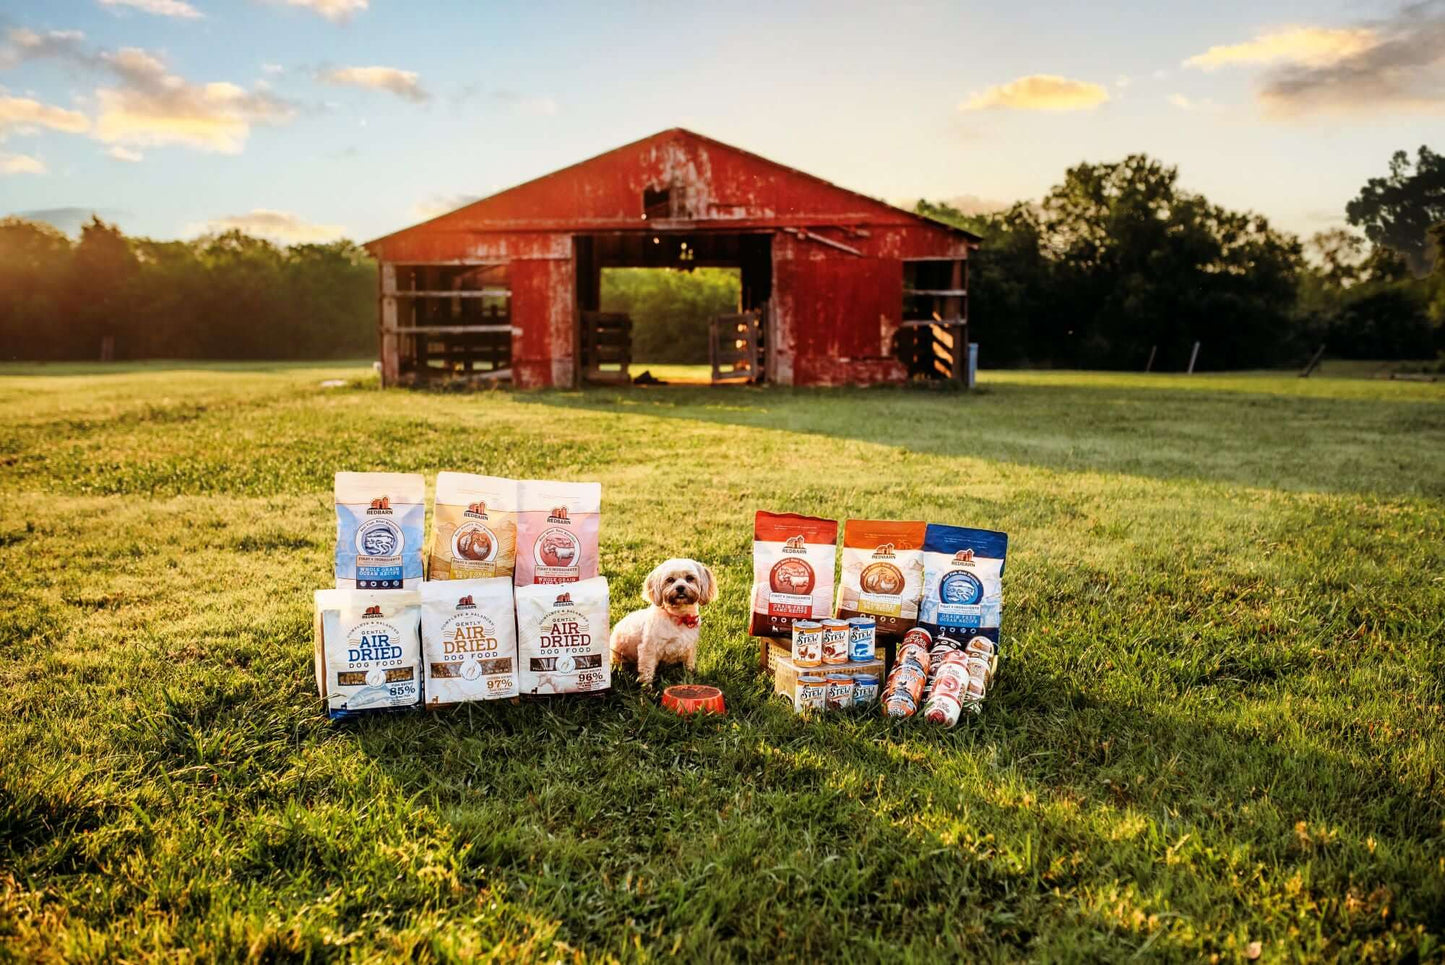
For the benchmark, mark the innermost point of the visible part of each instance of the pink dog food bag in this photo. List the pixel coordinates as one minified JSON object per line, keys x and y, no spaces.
{"x":557,"y":532}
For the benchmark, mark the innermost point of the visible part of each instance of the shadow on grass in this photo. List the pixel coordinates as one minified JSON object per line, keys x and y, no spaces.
{"x":1382,"y":447}
{"x":761,"y":834}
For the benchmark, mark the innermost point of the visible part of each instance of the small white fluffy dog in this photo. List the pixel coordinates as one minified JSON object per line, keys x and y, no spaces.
{"x":666,"y":631}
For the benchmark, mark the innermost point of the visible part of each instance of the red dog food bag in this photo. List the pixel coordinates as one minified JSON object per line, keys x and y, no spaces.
{"x":792,"y":571}
{"x":557,"y":531}
{"x":882,"y":573}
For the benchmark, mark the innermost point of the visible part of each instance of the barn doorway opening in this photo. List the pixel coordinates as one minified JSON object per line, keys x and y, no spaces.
{"x":671,"y":311}
{"x":671,"y":306}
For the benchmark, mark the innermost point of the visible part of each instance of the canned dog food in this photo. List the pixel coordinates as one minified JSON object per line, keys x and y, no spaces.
{"x":810,"y":694}
{"x":862,"y":639}
{"x":899,"y":705}
{"x":840,"y":692}
{"x":865,"y":690}
{"x":918,"y":637}
{"x":982,"y":646}
{"x":978,"y":670}
{"x":807,"y":643}
{"x":944,"y":649}
{"x":835,"y":641}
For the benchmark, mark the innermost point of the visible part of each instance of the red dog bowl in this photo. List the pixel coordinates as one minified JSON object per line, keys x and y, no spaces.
{"x":693,"y":699}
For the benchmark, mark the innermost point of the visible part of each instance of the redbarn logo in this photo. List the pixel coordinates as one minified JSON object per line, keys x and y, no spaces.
{"x":963,"y":556}
{"x":466,"y":603}
{"x":373,"y":611}
{"x":884,"y":552}
{"x":477,"y":509}
{"x":379,"y":506}
{"x":563,"y":599}
{"x":794,"y":544}
{"x":559,"y":515}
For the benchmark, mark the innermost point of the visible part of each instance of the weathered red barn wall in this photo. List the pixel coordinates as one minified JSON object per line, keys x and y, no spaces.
{"x":835,"y":312}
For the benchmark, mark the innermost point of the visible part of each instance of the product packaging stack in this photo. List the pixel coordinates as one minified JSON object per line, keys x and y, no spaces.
{"x":914,"y":623}
{"x":512,"y":603}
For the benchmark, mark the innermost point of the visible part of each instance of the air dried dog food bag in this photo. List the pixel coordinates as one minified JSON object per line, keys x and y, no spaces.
{"x":557,"y":532}
{"x":562,"y":638}
{"x":474,"y":527}
{"x":468,"y":639}
{"x":368,"y":650}
{"x":792,"y":571}
{"x":882,"y":573}
{"x":962,"y":582}
{"x":380,"y":519}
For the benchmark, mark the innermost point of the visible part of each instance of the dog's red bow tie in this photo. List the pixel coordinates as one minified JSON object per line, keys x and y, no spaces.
{"x":688,"y":620}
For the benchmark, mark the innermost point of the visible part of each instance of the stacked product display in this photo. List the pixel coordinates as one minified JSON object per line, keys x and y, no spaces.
{"x":934,"y":592}
{"x":512,"y":603}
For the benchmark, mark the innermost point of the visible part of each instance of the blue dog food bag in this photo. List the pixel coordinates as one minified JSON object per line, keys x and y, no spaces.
{"x":380,"y":522}
{"x":962,"y":582}
{"x":368,"y":651}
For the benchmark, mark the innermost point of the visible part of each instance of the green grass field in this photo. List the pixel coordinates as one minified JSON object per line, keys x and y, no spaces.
{"x":1218,"y":720}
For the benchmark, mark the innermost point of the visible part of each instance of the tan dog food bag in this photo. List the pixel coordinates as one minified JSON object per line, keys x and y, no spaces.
{"x":562,"y":638}
{"x":792,"y":571}
{"x":882,"y":573}
{"x":474,"y":527}
{"x":469,"y":640}
{"x":557,"y":532}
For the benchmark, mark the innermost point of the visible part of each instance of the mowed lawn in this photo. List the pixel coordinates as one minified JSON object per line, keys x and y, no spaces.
{"x":1218,"y":721}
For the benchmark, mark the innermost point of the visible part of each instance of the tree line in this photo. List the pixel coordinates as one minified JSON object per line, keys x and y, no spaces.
{"x":1116,"y":265}
{"x":224,"y":296}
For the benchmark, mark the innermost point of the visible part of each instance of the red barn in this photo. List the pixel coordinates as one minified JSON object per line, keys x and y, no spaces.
{"x":837,"y":287}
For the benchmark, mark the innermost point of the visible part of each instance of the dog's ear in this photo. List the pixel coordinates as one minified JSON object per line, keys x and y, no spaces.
{"x":707,"y":585}
{"x":652,"y":586}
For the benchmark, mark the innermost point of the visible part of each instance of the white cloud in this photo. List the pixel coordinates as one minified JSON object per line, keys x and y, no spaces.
{"x":1192,"y":104}
{"x":125,"y":154}
{"x":337,"y":11}
{"x":1038,"y":92}
{"x":151,"y":107}
{"x":272,"y":69}
{"x":145,"y":104}
{"x":23,"y":113}
{"x":20,"y":164}
{"x":1307,"y":46}
{"x":439,"y":204}
{"x":282,"y":226}
{"x":161,"y":8}
{"x":402,"y":83}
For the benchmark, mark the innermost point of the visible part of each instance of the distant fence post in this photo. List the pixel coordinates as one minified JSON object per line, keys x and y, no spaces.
{"x":972,"y":364}
{"x":1192,"y":356}
{"x":1149,"y":365}
{"x":1314,"y":362}
{"x":107,"y":348}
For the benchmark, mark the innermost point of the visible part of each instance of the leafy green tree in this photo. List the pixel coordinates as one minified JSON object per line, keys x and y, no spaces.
{"x":34,"y":269}
{"x":1398,"y":210}
{"x":671,"y":308}
{"x":99,"y":306}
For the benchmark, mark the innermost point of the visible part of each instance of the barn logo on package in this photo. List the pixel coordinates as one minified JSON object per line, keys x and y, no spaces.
{"x":795,"y":544}
{"x":559,"y":515}
{"x":963,"y":558}
{"x":372,"y":611}
{"x":884,"y":552}
{"x":476,"y":510}
{"x":466,"y":603}
{"x":563,"y":599}
{"x":380,"y":506}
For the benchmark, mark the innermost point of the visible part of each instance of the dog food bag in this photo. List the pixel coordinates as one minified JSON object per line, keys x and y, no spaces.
{"x":962,"y":581}
{"x":380,"y":519}
{"x":882,"y":573}
{"x":468,"y":639}
{"x":557,"y":532}
{"x":474,"y":527}
{"x":792,"y":571}
{"x":368,"y":651}
{"x":562,"y":638}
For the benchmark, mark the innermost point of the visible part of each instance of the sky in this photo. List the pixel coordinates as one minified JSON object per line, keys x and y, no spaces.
{"x":306,"y":120}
